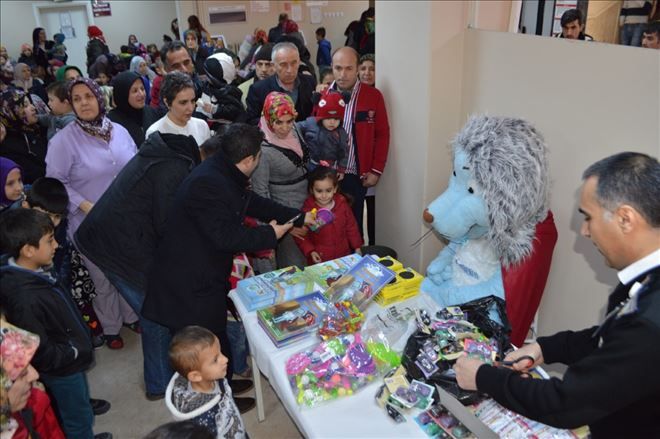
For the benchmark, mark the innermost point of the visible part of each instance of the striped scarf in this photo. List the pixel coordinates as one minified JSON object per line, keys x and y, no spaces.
{"x":349,"y":121}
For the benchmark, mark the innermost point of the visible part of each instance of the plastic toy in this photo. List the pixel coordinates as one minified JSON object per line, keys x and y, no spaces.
{"x":322,"y":217}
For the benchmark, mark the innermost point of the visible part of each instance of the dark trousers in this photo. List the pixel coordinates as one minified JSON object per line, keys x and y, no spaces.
{"x":71,"y":400}
{"x":352,"y":185}
{"x":370,"y":201}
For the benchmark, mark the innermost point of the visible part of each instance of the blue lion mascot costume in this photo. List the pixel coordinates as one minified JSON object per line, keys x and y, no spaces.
{"x":494,"y":215}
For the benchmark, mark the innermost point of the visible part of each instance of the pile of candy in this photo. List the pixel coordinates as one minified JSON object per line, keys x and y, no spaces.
{"x":341,"y":318}
{"x":334,"y":368}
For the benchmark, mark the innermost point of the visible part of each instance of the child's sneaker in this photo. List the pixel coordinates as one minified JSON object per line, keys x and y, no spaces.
{"x":114,"y":341}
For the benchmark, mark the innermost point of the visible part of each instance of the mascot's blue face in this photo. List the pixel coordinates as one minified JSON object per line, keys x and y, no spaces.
{"x":460,"y":212}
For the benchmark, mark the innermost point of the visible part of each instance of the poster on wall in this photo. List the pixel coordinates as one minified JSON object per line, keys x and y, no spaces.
{"x":296,"y":12}
{"x":101,"y":8}
{"x":317,"y":4}
{"x":315,"y":15}
{"x":260,"y":6}
{"x":561,"y":7}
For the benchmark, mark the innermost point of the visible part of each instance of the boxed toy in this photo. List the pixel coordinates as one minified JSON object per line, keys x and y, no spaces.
{"x":327,"y":273}
{"x":287,"y":321}
{"x":361,"y":283}
{"x":391,"y":263}
{"x":275,"y":287}
{"x":404,"y":286}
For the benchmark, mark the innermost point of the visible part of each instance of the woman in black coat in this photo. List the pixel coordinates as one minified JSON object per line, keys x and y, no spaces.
{"x":131,"y":110}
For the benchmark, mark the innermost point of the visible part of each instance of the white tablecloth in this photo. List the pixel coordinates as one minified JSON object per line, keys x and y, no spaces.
{"x":357,"y":416}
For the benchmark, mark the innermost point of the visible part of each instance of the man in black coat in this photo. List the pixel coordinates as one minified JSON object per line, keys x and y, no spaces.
{"x":287,"y":79}
{"x":189,"y":279}
{"x":121,"y":233}
{"x":612,"y":382}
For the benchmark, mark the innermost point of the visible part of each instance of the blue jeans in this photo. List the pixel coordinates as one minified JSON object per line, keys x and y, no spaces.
{"x":155,"y":339}
{"x":631,"y":34}
{"x":71,"y":399}
{"x":239,"y":345}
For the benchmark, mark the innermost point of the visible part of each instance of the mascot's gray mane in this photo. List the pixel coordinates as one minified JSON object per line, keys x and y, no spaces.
{"x":507,"y":157}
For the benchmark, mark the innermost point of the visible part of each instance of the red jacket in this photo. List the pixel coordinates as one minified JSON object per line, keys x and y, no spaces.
{"x":371,"y":130}
{"x":44,"y":421}
{"x":334,"y":240}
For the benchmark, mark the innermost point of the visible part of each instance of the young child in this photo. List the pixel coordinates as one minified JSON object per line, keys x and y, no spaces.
{"x":61,"y":110}
{"x":324,"y":52}
{"x":50,"y":196}
{"x":324,"y":135}
{"x":12,"y":183}
{"x":35,"y":301}
{"x":58,"y":51}
{"x":103,"y":80}
{"x":326,"y":76}
{"x":340,"y":237}
{"x":198,"y":391}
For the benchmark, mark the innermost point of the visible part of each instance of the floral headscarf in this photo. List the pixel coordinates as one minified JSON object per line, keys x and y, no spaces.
{"x":276,"y":106}
{"x":101,"y":126}
{"x":11,"y":102}
{"x":17,"y":347}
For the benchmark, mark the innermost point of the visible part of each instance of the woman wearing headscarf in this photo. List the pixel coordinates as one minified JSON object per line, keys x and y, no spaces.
{"x":86,"y":156}
{"x":139,"y":67}
{"x":202,"y":34}
{"x":96,"y":46}
{"x":26,"y":142}
{"x":138,"y":47}
{"x":67,"y":73}
{"x":131,"y":110}
{"x":259,"y":38}
{"x":282,"y":173}
{"x":25,"y":409}
{"x":27,"y":57}
{"x":23,"y":80}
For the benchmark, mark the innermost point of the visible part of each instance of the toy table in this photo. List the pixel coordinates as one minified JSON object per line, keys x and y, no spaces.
{"x":354,"y":416}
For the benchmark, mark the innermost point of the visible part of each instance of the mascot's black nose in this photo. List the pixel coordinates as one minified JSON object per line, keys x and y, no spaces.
{"x":427,"y":216}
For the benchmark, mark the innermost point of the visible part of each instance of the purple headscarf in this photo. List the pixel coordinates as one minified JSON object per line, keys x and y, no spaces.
{"x":101,"y":126}
{"x":6,"y":166}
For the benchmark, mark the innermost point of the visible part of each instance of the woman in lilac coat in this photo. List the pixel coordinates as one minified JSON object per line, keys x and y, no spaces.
{"x":86,"y":156}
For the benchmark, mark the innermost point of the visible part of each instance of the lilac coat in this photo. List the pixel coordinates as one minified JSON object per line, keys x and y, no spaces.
{"x":86,"y":165}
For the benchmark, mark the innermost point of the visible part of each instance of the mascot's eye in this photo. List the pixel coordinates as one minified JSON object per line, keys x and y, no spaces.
{"x":470,"y":190}
{"x":454,"y":172}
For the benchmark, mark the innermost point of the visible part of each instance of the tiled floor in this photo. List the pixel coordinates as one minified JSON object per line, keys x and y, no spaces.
{"x":117,"y":377}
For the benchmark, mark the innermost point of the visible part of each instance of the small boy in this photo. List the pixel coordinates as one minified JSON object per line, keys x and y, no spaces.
{"x":62,"y":111}
{"x":103,"y":79}
{"x":49,"y":195}
{"x":323,"y":54}
{"x":33,"y":300}
{"x":198,"y":391}
{"x":324,"y":135}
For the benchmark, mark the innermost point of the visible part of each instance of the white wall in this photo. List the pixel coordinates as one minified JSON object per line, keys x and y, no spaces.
{"x":434,"y":74}
{"x":576,"y":96}
{"x":149,"y":20}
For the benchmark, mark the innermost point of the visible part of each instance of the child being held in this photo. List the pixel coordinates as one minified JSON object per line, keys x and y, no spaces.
{"x":341,"y":236}
{"x":58,"y":51}
{"x":61,"y":110}
{"x":324,"y":135}
{"x":198,"y":391}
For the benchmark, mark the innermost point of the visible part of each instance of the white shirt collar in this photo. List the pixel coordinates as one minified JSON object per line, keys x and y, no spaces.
{"x":641,"y":266}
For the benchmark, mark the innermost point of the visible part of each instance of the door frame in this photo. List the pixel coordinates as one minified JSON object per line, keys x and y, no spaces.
{"x":38,"y":7}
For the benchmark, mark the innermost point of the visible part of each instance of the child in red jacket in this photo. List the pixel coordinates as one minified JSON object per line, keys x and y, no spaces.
{"x":337,"y":238}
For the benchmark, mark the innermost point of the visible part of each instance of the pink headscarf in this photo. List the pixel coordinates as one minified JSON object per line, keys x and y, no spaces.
{"x":276,"y":106}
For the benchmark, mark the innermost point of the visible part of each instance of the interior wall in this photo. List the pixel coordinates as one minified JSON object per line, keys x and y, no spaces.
{"x":579,"y":111}
{"x":17,"y":22}
{"x":148,"y":20}
{"x":335,"y":17}
{"x":603,"y":20}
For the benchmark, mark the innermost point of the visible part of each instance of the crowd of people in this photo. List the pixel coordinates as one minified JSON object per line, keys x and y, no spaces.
{"x":136,"y":186}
